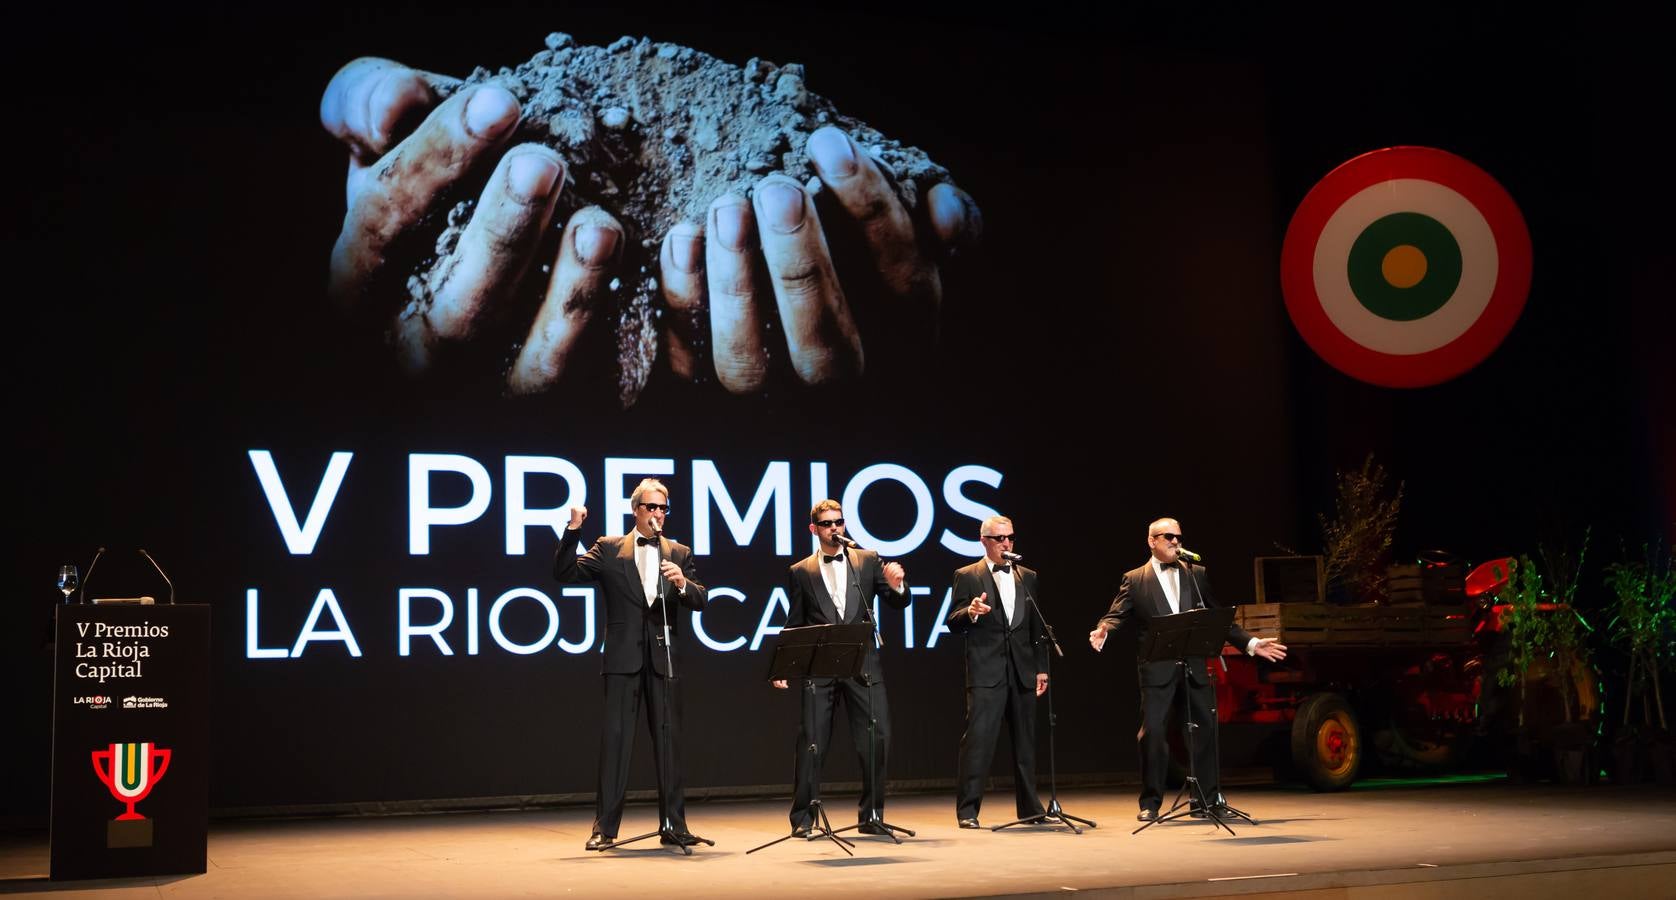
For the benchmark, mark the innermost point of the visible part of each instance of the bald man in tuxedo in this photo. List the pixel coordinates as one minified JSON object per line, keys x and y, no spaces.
{"x":1006,"y":670}
{"x":1165,"y":586}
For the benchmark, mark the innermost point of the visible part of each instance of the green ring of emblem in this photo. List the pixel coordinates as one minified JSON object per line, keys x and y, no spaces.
{"x":1404,"y":304}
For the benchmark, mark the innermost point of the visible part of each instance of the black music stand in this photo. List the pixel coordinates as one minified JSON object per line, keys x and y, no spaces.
{"x":818,"y":651}
{"x":1197,"y":634}
{"x":1054,"y":814}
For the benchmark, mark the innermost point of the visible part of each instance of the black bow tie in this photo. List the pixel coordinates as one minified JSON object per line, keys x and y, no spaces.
{"x":1004,"y":568}
{"x":836,"y":557}
{"x":1169,"y":565}
{"x":645,"y":541}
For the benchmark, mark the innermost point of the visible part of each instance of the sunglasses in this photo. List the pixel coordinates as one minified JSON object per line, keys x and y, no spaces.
{"x":656,"y":507}
{"x":829,"y":523}
{"x":998,"y":538}
{"x":1168,"y":536}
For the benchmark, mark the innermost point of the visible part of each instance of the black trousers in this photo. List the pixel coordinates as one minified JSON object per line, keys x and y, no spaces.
{"x":1157,"y":703}
{"x":869,"y":713}
{"x":986,"y":708}
{"x":623,"y":696}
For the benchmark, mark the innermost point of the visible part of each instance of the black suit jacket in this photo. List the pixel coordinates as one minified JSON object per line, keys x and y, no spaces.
{"x":990,"y":640}
{"x":629,"y":620}
{"x":810,"y":604}
{"x":1141,"y":598}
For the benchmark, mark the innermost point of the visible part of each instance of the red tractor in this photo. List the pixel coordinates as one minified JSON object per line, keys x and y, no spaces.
{"x":1411,"y":683}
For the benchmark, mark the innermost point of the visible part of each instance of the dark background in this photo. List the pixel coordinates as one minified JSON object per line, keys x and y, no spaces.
{"x":176,"y":200}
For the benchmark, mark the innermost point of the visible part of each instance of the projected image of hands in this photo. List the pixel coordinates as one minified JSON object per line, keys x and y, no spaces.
{"x":481,"y":249}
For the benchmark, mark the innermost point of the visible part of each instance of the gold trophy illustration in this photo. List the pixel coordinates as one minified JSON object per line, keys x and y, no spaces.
{"x":130,"y":771}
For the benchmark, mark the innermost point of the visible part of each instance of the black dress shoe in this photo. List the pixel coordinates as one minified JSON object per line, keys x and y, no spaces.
{"x":801,"y":831}
{"x":678,"y":839}
{"x":597,"y":841}
{"x":970,"y":823}
{"x":873,"y":828}
{"x":1147,"y":815}
{"x":1198,"y":812}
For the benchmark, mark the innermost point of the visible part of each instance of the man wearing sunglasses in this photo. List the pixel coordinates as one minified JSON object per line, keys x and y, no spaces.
{"x":1006,"y":669}
{"x":640,"y":574}
{"x":837,"y":585}
{"x":1163,"y":586}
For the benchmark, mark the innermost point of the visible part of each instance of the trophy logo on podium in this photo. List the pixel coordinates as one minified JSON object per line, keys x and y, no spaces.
{"x":130,"y":771}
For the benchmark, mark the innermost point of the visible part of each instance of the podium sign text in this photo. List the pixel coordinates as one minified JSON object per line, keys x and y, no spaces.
{"x":130,"y":767}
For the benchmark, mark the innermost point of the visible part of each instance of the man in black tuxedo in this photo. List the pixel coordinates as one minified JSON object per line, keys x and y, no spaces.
{"x":1162,"y":587}
{"x":1006,"y":670}
{"x":640,"y":575}
{"x":837,"y":585}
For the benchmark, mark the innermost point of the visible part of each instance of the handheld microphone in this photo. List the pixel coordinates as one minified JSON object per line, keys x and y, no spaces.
{"x":160,"y":571}
{"x":89,"y":575}
{"x":845,"y":540}
{"x":1010,"y":556}
{"x":1187,"y":554}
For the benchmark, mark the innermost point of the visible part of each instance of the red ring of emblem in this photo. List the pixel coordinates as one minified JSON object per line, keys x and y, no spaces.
{"x":1507,"y":298}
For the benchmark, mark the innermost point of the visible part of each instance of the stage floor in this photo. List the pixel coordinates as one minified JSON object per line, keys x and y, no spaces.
{"x":1459,"y":840}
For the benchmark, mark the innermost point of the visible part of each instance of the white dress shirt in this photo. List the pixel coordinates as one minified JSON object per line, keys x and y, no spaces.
{"x":1005,"y":586}
{"x":646,"y":559}
{"x":836,"y":576}
{"x":1170,"y":580}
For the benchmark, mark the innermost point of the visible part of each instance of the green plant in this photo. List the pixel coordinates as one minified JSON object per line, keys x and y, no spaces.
{"x":1356,"y":541}
{"x":1643,"y":622}
{"x":1523,"y":623}
{"x":1567,"y":629}
{"x":1545,"y":633}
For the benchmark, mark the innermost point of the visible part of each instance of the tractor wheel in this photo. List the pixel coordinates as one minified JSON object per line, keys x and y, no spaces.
{"x":1327,"y":742}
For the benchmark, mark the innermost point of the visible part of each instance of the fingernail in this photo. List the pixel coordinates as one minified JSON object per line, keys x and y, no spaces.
{"x":377,"y":99}
{"x":782,"y":206}
{"x":832,"y":153}
{"x":490,"y":111}
{"x":595,"y":244}
{"x":531,"y":175}
{"x":730,"y":227}
{"x":948,"y":214}
{"x":684,"y":249}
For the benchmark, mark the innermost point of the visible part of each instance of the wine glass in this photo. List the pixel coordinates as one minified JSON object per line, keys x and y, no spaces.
{"x":68,"y":580}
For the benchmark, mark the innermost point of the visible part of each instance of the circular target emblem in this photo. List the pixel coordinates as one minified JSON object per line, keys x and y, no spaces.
{"x":1405,"y":267}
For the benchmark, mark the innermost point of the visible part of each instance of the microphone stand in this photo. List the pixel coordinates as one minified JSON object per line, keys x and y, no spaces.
{"x":1054,"y":810}
{"x":874,"y":818}
{"x":1212,"y":803}
{"x":160,"y":571}
{"x":82,"y":596}
{"x":666,"y":828}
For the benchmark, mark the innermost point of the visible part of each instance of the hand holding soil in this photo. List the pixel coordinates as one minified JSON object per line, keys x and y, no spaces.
{"x":637,"y":196}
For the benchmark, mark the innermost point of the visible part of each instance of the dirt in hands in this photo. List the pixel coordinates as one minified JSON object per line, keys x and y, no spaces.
{"x":652,"y":133}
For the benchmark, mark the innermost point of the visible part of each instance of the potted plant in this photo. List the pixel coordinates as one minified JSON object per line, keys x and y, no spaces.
{"x":1643,"y":625}
{"x":1546,"y":661}
{"x":1356,"y":540}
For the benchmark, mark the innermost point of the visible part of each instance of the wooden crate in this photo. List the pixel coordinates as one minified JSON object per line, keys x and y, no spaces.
{"x":1290,"y":579}
{"x":1318,"y":624}
{"x":1404,"y":584}
{"x":1430,"y":584}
